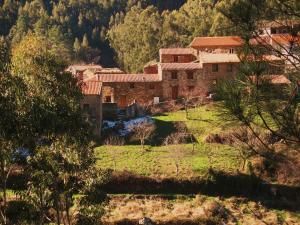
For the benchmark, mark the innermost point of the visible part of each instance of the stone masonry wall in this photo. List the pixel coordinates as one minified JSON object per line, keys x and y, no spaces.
{"x":141,"y":93}
{"x":185,"y":85}
{"x":181,"y":58}
{"x":94,"y":104}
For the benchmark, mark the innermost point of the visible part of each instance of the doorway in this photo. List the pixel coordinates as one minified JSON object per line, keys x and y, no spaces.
{"x":175,"y":92}
{"x":123,"y":102}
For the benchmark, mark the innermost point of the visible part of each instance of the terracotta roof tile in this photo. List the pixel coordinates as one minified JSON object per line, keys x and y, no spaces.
{"x":180,"y":66}
{"x":91,"y":87}
{"x":284,"y":39}
{"x":227,"y":41}
{"x":176,"y":51}
{"x":123,"y":78}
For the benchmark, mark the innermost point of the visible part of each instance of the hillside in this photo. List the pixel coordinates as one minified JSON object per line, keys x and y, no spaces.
{"x":79,"y":27}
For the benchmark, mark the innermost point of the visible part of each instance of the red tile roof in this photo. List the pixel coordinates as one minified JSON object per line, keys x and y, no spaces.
{"x":180,"y":66}
{"x":275,"y":39}
{"x":284,"y":39}
{"x":122,"y":78}
{"x":176,"y":51}
{"x":206,"y":42}
{"x":91,"y":87}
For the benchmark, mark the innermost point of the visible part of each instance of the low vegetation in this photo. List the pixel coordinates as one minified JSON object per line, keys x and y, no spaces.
{"x":193,"y":210}
{"x":160,"y":161}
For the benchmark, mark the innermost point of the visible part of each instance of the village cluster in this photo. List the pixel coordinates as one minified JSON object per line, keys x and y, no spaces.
{"x":192,"y":71}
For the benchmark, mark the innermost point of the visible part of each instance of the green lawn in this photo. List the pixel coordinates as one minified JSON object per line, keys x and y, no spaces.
{"x":159,"y":161}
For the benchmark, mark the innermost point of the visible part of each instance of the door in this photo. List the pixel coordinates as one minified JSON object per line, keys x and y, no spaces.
{"x":123,"y":102}
{"x":174,"y":92}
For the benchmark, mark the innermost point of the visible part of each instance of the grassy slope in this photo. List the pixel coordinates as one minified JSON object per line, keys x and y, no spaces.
{"x":175,"y":208}
{"x":157,"y":161}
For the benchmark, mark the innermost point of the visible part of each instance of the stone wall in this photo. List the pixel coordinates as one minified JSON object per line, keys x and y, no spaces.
{"x":125,"y":94}
{"x":186,"y":87}
{"x":153,"y":69}
{"x":92,"y":104}
{"x":181,"y":58}
{"x":110,"y":111}
{"x":218,"y":49}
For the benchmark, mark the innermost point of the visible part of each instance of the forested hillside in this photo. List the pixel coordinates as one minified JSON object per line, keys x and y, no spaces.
{"x":77,"y":28}
{"x":111,"y":32}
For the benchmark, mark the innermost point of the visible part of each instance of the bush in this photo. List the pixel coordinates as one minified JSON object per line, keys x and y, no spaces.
{"x":21,"y":212}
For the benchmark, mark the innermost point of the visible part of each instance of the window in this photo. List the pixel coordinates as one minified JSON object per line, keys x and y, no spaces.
{"x":108,"y":98}
{"x":86,"y":107}
{"x":191,"y":88}
{"x":190,"y":75}
{"x":229,"y":68}
{"x":176,"y":58}
{"x":215,"y":67}
{"x":273,"y":30}
{"x":151,"y":86}
{"x":131,"y":85}
{"x":231,"y":51}
{"x":174,"y":76}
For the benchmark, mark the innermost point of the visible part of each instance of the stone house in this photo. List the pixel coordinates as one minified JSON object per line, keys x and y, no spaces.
{"x":277,"y":27}
{"x":127,"y":89}
{"x":180,"y":72}
{"x":78,"y":69}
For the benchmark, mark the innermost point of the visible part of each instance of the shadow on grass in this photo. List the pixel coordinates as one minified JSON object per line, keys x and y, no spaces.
{"x":219,"y":184}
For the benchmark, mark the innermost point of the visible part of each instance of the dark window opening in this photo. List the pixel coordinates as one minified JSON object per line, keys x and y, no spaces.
{"x":131,"y":85}
{"x":273,"y":30}
{"x":191,"y":88}
{"x":86,"y":107}
{"x":229,"y":68}
{"x":215,"y":67}
{"x":174,"y":76}
{"x":176,"y":58}
{"x":231,"y":51}
{"x":108,"y":99}
{"x":190,"y":75}
{"x":151,"y":86}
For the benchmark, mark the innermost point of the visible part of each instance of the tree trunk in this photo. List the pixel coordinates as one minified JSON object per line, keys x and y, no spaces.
{"x":186,"y":111}
{"x":41,"y":207}
{"x":177,"y":168}
{"x":3,"y":184}
{"x":143,"y":144}
{"x":115,"y":165}
{"x":57,"y":211}
{"x":68,"y":210}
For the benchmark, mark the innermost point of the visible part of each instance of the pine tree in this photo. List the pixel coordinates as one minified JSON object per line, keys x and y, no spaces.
{"x":77,"y":45}
{"x":85,"y":41}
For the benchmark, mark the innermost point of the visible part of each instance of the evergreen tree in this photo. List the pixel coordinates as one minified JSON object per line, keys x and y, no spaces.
{"x":76,"y":46}
{"x":85,"y":41}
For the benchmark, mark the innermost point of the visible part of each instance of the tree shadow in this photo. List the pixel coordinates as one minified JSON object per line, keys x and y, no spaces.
{"x":274,"y":196}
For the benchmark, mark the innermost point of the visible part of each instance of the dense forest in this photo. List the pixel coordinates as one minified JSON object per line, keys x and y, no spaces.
{"x":111,"y":32}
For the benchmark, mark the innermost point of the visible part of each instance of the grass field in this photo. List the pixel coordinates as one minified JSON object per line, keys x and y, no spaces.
{"x":158,"y":159}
